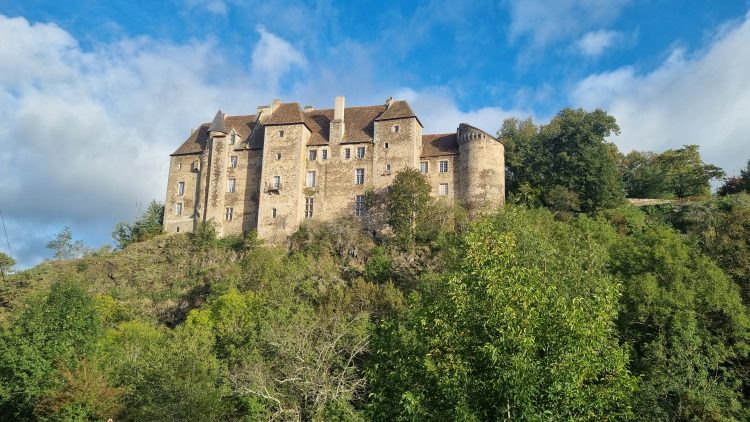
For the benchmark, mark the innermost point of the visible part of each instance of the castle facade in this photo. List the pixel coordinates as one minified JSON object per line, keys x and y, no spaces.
{"x":283,"y":165}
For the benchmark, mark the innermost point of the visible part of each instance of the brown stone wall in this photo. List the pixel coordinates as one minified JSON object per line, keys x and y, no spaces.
{"x":435,"y":178}
{"x":482,"y":169}
{"x":399,"y":149}
{"x":181,"y":170}
{"x":288,"y":200}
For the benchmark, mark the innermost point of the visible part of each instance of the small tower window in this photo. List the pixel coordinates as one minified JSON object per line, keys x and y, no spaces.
{"x":347,"y":153}
{"x":424,"y":167}
{"x":387,"y":169}
{"x":386,"y":145}
{"x":311,"y":179}
{"x":276,"y":182}
{"x":396,"y":128}
{"x":360,"y":152}
{"x":281,"y":134}
{"x":231,"y":185}
{"x":178,"y":208}
{"x":359,"y":205}
{"x":324,"y":154}
{"x":180,"y":188}
{"x":233,"y":161}
{"x":309,"y":206}
{"x":312,"y":155}
{"x":278,"y":156}
{"x":273,"y":212}
{"x":179,"y":166}
{"x":228,"y":213}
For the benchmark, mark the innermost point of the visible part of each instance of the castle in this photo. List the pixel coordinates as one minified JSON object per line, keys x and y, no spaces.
{"x":283,"y":165}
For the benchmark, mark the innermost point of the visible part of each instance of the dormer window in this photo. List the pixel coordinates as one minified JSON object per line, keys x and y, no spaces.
{"x":232,"y":138}
{"x":396,"y":128}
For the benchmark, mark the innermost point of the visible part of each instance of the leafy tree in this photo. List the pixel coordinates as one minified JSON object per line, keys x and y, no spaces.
{"x":569,"y":153}
{"x":520,"y":328}
{"x":685,"y":173}
{"x":64,"y":247}
{"x":6,"y":264}
{"x":55,"y":328}
{"x":685,"y":322}
{"x":644,"y":178}
{"x":737,"y":184}
{"x":148,"y":225}
{"x":407,"y":202}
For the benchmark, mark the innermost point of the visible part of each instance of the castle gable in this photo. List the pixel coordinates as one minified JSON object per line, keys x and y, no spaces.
{"x":243,"y":126}
{"x":286,"y":114}
{"x":398,"y":110}
{"x":359,"y":124}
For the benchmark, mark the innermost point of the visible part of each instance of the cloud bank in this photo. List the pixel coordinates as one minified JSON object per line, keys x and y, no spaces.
{"x":691,"y":98}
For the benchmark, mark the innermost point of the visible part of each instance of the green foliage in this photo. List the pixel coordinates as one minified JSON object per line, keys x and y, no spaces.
{"x":520,"y":328}
{"x":685,"y":322}
{"x":64,"y":247}
{"x":737,"y":184}
{"x":407,"y":204}
{"x":55,"y":328}
{"x":6,"y":263}
{"x":379,"y":267}
{"x":204,"y":234}
{"x":148,"y":225}
{"x":568,"y":153}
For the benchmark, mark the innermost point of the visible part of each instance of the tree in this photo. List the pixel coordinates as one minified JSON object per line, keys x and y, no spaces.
{"x":643,"y":177}
{"x":570,"y":153}
{"x":406,"y":204}
{"x":148,"y":225}
{"x":684,"y":172}
{"x":6,"y":264}
{"x":737,"y":184}
{"x":56,"y":328}
{"x":685,"y":322}
{"x":521,"y":328}
{"x":64,"y":247}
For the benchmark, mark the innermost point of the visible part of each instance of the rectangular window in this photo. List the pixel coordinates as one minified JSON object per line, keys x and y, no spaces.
{"x":179,"y":166}
{"x":231,"y":185}
{"x":312,"y":155}
{"x":347,"y":153}
{"x":281,"y":134}
{"x":387,"y":169}
{"x":360,"y":152}
{"x":233,"y":161}
{"x":178,"y":208}
{"x":276,"y":182}
{"x":359,"y":205}
{"x":232,"y":139}
{"x":359,"y":177}
{"x":443,"y":189}
{"x":180,"y":188}
{"x":395,"y":128}
{"x":308,"y":207}
{"x":273,"y":212}
{"x":228,"y":213}
{"x":311,"y":179}
{"x":424,"y":166}
{"x":443,"y":166}
{"x":325,"y":154}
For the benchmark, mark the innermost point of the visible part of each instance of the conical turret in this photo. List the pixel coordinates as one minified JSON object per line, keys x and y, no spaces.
{"x":218,"y":129}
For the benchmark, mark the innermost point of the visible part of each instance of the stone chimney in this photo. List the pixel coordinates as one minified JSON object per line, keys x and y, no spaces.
{"x":336,"y":134}
{"x":265,"y":111}
{"x":388,"y":102}
{"x":309,"y":108}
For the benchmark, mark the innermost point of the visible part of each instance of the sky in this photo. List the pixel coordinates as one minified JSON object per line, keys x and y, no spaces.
{"x":94,"y":95}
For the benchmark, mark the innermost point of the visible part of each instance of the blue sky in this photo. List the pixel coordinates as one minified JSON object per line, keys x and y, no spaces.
{"x":95,"y":95}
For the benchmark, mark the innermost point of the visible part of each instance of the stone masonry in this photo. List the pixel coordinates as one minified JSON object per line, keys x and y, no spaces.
{"x":283,"y":165}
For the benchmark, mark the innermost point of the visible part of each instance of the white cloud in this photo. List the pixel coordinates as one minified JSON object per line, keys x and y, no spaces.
{"x":545,"y":22}
{"x":439,"y":113}
{"x":273,"y":57}
{"x":86,"y":133}
{"x":701,"y":99}
{"x":594,"y":43}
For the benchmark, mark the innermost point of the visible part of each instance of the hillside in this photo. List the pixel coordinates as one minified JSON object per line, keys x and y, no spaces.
{"x":516,"y":312}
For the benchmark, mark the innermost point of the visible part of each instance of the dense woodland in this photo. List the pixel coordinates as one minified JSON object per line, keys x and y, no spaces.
{"x":566,"y":304}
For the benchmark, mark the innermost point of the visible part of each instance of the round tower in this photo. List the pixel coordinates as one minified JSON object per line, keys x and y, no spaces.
{"x":482,"y":169}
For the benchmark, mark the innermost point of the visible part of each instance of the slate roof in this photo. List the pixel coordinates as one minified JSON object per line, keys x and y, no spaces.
{"x":286,"y":114}
{"x":359,"y":125}
{"x":218,"y":124}
{"x":439,"y":144}
{"x":398,"y":110}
